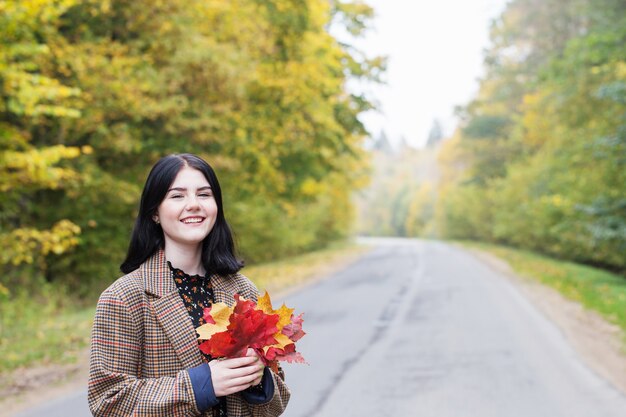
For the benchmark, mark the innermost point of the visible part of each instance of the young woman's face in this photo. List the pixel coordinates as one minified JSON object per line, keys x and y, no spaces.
{"x":188,"y":211}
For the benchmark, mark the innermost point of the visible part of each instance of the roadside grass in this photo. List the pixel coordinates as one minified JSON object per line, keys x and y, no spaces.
{"x":41,"y":324}
{"x":291,"y":272}
{"x":596,"y":289}
{"x":43,"y":330}
{"x":42,"y":335}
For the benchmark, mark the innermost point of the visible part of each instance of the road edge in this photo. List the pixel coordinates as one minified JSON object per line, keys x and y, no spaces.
{"x":598,"y":342}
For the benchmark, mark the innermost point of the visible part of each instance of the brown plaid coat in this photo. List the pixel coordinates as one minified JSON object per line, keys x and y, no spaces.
{"x":143,"y":340}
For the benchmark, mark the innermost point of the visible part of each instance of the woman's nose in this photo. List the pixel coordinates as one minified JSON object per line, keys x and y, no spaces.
{"x":192,"y":203}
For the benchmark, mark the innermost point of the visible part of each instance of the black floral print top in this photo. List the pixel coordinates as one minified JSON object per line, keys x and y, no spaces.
{"x":196,"y":292}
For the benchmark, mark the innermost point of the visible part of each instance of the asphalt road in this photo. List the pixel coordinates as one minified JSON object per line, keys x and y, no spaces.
{"x":421,"y":328}
{"x":425,"y":329}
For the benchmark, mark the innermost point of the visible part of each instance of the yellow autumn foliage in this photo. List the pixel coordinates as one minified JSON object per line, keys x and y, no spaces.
{"x":538,"y":158}
{"x":28,"y":245}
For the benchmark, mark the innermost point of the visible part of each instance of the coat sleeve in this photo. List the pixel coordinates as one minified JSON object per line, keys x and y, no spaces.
{"x":275,"y":406}
{"x":115,"y":385}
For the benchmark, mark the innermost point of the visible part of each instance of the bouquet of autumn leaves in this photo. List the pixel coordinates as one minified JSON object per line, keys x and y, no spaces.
{"x":229,"y":331}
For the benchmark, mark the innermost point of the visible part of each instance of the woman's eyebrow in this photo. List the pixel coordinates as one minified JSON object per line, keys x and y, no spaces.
{"x":206,"y":187}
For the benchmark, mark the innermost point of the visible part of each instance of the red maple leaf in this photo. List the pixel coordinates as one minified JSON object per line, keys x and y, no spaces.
{"x":259,"y":328}
{"x":219,"y":344}
{"x":248,"y":327}
{"x":288,"y":354}
{"x":294,"y":330}
{"x":243,"y":306}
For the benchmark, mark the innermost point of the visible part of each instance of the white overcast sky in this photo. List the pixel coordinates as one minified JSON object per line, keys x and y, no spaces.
{"x":435,"y":50}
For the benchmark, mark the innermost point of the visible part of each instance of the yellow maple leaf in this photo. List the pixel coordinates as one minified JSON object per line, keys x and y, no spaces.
{"x":265,"y":304}
{"x":220,"y":312}
{"x":282,"y":340}
{"x":284,"y":313}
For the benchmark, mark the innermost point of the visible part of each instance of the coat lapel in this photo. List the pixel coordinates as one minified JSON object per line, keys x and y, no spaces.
{"x":170,"y":311}
{"x":223,"y":290}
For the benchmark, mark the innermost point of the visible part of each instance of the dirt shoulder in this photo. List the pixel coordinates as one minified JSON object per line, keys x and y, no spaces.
{"x":598,"y":342}
{"x":32,"y":387}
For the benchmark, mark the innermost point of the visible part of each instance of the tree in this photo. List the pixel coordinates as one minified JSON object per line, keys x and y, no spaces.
{"x":32,"y":102}
{"x":435,"y":135}
{"x":541,"y":147}
{"x":94,"y":92}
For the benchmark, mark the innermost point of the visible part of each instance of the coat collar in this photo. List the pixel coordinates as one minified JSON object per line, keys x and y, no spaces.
{"x":169,"y":310}
{"x":158,"y":280}
{"x":157,"y":276}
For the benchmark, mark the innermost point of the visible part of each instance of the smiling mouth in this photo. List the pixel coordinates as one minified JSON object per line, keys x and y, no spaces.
{"x":193,"y":220}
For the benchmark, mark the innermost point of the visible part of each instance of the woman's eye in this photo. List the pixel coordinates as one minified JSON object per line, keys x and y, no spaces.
{"x":176,"y":196}
{"x":206,"y":195}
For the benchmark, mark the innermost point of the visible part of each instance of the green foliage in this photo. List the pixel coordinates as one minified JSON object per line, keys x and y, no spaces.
{"x":354,"y":15}
{"x":92,"y":93}
{"x":486,"y":127}
{"x":32,"y":101}
{"x":548,"y":171}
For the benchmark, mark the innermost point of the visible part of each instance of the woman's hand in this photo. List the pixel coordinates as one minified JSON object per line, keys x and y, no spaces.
{"x":233,"y":375}
{"x":252,"y":352}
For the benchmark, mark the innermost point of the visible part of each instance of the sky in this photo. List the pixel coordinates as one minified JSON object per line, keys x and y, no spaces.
{"x":435,"y":51}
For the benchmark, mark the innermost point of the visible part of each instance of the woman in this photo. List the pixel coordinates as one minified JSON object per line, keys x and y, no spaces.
{"x":145,"y":359}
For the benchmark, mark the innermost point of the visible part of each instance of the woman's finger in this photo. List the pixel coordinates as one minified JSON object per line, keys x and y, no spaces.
{"x":258,"y":380}
{"x":252,"y":352}
{"x":245,"y":381}
{"x":239,"y":362}
{"x":244,"y":371}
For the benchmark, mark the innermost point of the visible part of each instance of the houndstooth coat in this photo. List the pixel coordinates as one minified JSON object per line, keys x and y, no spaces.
{"x":143,"y":341}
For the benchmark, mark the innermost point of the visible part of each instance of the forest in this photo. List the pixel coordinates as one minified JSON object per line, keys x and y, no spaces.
{"x":538,"y":158}
{"x":93,"y":92}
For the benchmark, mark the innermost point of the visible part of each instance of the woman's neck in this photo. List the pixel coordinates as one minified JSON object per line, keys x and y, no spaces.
{"x":187,"y":259}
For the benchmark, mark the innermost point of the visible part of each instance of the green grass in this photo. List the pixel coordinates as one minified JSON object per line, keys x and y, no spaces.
{"x":48,"y":337}
{"x":283,"y":274}
{"x":596,"y":289}
{"x":48,"y":329}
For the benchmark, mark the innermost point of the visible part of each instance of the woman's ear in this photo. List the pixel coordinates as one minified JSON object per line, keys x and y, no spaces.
{"x":156,"y":219}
